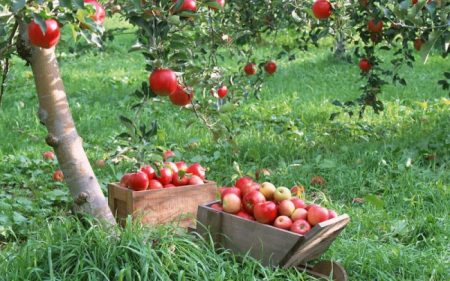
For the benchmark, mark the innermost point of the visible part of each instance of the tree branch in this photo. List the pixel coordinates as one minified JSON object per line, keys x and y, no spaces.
{"x":6,"y":66}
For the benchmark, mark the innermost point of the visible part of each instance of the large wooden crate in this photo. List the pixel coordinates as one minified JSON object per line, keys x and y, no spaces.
{"x":271,"y":245}
{"x":161,"y":206}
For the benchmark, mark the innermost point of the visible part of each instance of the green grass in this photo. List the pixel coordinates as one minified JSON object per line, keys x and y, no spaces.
{"x":400,"y":232}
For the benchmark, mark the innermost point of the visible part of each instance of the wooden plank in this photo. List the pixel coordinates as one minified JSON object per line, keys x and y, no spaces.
{"x":263,"y":242}
{"x":316,"y":242}
{"x":177,"y":204}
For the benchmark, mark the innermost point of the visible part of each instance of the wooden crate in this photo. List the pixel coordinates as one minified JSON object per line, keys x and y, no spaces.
{"x":161,"y":206}
{"x":271,"y":245}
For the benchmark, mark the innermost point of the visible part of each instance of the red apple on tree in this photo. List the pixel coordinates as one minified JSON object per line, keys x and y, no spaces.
{"x":251,"y":199}
{"x":163,"y":82}
{"x":265,"y":212}
{"x":321,"y":9}
{"x":418,"y":44}
{"x":282,"y":193}
{"x":299,"y":214}
{"x":286,"y":208}
{"x":375,"y":26}
{"x":231,"y":203}
{"x":270,"y":67}
{"x":220,"y":3}
{"x":44,"y":40}
{"x":268,"y":190}
{"x":180,"y":97}
{"x":188,"y":5}
{"x":250,"y":68}
{"x":365,"y":66}
{"x":222,"y":91}
{"x":283,"y":222}
{"x":100,"y":14}
{"x":300,"y":227}
{"x":317,"y":214}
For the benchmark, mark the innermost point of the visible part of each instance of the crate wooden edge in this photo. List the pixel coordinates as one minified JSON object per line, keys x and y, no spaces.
{"x":301,"y":252}
{"x":128,"y":196}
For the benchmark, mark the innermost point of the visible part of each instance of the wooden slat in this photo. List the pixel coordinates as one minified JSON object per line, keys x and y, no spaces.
{"x":263,"y":242}
{"x":316,"y":242}
{"x":177,"y":204}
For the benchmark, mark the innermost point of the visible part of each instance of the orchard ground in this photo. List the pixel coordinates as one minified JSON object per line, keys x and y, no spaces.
{"x":389,"y":172}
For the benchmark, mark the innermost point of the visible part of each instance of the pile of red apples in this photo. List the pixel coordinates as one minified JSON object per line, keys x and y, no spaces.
{"x":271,"y":205}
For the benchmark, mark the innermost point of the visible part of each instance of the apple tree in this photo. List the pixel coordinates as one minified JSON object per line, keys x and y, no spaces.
{"x":31,"y":30}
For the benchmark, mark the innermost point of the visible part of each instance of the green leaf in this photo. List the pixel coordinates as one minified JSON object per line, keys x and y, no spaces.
{"x":18,"y":5}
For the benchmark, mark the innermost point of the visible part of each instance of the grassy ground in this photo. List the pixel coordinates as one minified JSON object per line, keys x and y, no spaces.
{"x":399,"y":232}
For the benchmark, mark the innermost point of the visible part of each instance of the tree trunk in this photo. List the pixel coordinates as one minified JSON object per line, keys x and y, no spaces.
{"x":339,"y":50}
{"x":54,"y":113}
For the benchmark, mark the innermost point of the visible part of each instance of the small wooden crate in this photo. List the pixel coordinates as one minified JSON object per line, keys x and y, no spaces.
{"x":271,"y":245}
{"x":161,"y":206}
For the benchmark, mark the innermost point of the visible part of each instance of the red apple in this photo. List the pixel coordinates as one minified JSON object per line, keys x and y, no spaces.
{"x":125,"y":180}
{"x":48,"y":155}
{"x":227,"y":190}
{"x":365,"y":66}
{"x":149,"y":171}
{"x":179,"y":181}
{"x":245,"y":215}
{"x":231,"y":203}
{"x":250,"y":69}
{"x":100,"y":14}
{"x":222,"y":91}
{"x":171,"y":166}
{"x":286,"y":208}
{"x":165,"y":176}
{"x":321,"y":9}
{"x":268,"y":190}
{"x":182,"y":166}
{"x":283,"y":222}
{"x":47,"y":40}
{"x":265,"y":212}
{"x":241,"y":182}
{"x":301,"y":227}
{"x":298,"y":203}
{"x":299,"y":214}
{"x":217,"y":206}
{"x":270,"y":67}
{"x":196,"y":169}
{"x":282,"y":193}
{"x":155,"y":184}
{"x":251,"y":199}
{"x":418,"y":44}
{"x":138,"y":181}
{"x":167,"y":154}
{"x":195,"y":180}
{"x":317,"y":214}
{"x":58,"y":175}
{"x":331,"y":214}
{"x":375,"y":26}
